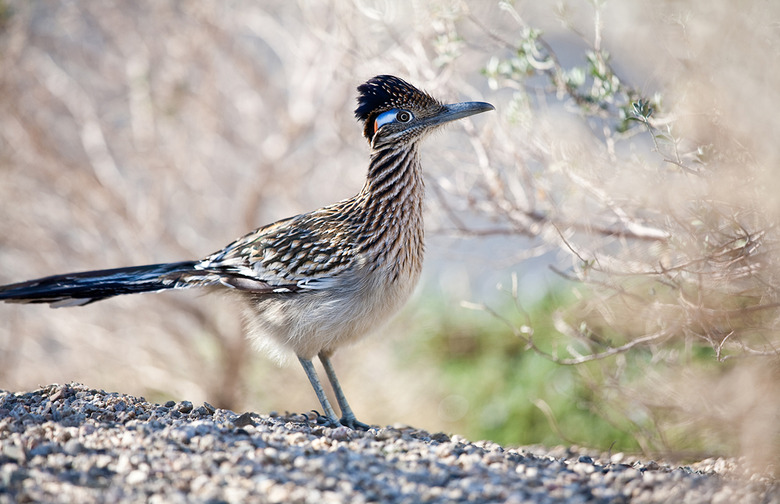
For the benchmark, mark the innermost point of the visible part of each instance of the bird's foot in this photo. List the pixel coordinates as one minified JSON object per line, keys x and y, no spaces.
{"x":346,"y":421}
{"x":353,"y":423}
{"x":324,"y":419}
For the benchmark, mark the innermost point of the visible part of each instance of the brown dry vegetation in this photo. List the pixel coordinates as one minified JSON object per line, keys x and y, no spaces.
{"x":157,"y":131}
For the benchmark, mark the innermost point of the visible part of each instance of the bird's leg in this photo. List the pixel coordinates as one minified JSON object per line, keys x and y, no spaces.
{"x":347,"y":416}
{"x":308,"y":366}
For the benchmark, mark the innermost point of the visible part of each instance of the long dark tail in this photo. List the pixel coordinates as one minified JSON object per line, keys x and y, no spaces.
{"x":74,"y":289}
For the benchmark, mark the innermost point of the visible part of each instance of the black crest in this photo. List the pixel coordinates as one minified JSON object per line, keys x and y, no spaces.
{"x":385,"y":92}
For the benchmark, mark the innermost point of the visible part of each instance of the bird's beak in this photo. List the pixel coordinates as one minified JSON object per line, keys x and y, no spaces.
{"x":455,"y":111}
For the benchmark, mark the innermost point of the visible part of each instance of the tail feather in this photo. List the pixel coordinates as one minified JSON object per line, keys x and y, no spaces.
{"x":74,"y":289}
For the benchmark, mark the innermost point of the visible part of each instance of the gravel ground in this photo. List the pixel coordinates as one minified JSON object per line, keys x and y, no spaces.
{"x":73,"y":444}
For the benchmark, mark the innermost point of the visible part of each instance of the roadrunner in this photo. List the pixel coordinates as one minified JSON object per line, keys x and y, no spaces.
{"x":319,"y":280}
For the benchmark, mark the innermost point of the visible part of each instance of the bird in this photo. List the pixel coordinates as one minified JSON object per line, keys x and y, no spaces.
{"x":316,"y":281}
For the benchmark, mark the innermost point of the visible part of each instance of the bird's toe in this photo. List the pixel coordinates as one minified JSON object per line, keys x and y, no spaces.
{"x":354,"y":424}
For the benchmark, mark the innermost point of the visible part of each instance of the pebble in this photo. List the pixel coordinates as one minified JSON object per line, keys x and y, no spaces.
{"x":69,"y":443}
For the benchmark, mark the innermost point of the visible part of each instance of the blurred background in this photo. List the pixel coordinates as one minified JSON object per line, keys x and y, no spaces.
{"x":601,"y":258}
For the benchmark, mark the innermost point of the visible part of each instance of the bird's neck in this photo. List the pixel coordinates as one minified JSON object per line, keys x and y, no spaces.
{"x":394,"y":177}
{"x":392,"y":207}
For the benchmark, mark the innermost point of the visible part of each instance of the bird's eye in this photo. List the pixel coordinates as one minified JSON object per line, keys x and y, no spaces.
{"x":404,"y":116}
{"x":401,"y":116}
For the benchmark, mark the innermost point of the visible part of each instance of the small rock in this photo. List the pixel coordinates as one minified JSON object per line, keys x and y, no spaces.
{"x":136,"y":476}
{"x":184,"y":407}
{"x":13,"y":451}
{"x":244,"y":420}
{"x":73,"y":447}
{"x":341,"y":433}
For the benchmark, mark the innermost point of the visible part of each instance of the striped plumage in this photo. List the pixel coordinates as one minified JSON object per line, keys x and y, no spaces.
{"x":316,"y":281}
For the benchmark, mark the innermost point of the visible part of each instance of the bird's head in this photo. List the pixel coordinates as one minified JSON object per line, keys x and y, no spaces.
{"x":392,"y":111}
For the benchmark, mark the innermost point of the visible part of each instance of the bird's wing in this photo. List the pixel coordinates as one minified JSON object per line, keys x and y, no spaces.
{"x":304,"y":252}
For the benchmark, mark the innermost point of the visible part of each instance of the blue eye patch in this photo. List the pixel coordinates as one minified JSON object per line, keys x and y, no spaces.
{"x":392,"y":115}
